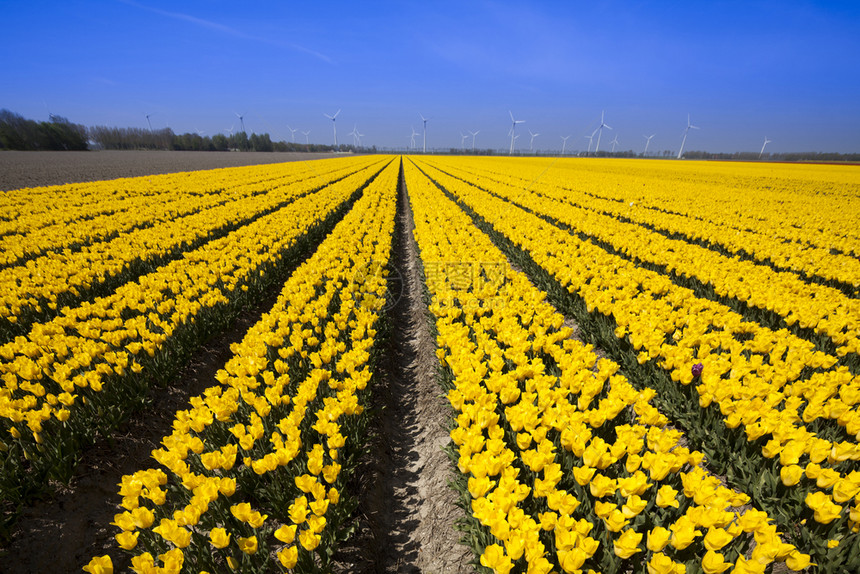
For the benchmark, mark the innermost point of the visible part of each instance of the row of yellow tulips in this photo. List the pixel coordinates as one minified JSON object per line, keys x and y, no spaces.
{"x":566,"y":466}
{"x":799,"y":433}
{"x":74,"y":215}
{"x":252,"y":477}
{"x":671,"y":324}
{"x":752,"y":374}
{"x":810,"y":306}
{"x":34,"y":290}
{"x":77,"y":372}
{"x":801,"y":218}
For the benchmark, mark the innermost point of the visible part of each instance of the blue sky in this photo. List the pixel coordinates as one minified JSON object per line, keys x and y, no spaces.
{"x":788,"y":71}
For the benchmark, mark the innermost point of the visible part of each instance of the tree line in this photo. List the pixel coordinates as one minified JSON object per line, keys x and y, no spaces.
{"x":58,"y":133}
{"x":19,"y":133}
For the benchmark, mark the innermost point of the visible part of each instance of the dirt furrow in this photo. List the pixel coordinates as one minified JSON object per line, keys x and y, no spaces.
{"x":409,"y":511}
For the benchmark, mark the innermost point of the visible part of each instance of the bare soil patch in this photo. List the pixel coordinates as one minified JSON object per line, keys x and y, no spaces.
{"x":20,"y":169}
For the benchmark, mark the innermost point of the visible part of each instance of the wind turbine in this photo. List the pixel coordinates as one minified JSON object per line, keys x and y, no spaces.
{"x":614,"y":143}
{"x":599,"y":131}
{"x":333,"y":125}
{"x":292,"y":133}
{"x":473,"y":138}
{"x":241,"y":119}
{"x":412,"y":137}
{"x":513,"y":129}
{"x":199,"y":132}
{"x":149,"y":122}
{"x":683,"y":141}
{"x":354,"y":134}
{"x":647,"y":141}
{"x":766,"y":141}
{"x":230,"y":131}
{"x":463,"y":139}
{"x":590,"y":140}
{"x":532,"y":141}
{"x":359,"y":135}
{"x":563,"y":145}
{"x":307,"y":133}
{"x":423,"y":119}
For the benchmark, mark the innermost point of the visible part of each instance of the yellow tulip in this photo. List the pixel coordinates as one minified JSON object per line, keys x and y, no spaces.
{"x":548,"y":521}
{"x":494,"y":558}
{"x":627,"y":544}
{"x":299,"y":510}
{"x":662,"y":564}
{"x":825,"y":511}
{"x":791,"y":475}
{"x":219,"y":537}
{"x":615,"y":521}
{"x":309,"y":539}
{"x":305,"y":482}
{"x":714,"y":563}
{"x":636,"y":484}
{"x":478,"y":487}
{"x":845,"y":489}
{"x":288,"y":557}
{"x":99,"y":565}
{"x":717,"y":538}
{"x":633,"y":506}
{"x":667,"y":496}
{"x":602,"y":486}
{"x":583,"y":474}
{"x":571,"y":560}
{"x":144,"y":563}
{"x":798,"y":561}
{"x":683,"y":533}
{"x":316,"y":523}
{"x":248,"y":545}
{"x":286,"y":534}
{"x":142,"y":517}
{"x":658,"y":538}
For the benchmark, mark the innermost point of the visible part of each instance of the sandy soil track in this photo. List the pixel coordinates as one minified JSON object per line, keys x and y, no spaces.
{"x":20,"y":169}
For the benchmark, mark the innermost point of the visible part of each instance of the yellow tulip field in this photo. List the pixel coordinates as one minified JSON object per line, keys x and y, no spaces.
{"x":648,"y":365}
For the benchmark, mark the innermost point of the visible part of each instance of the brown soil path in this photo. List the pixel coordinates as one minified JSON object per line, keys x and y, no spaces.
{"x":20,"y":169}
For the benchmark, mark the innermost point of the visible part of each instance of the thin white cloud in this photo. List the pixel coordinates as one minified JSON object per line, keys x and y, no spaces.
{"x":215,"y":26}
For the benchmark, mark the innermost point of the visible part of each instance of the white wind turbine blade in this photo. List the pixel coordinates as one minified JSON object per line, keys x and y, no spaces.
{"x":684,"y":140}
{"x":689,"y":125}
{"x":564,"y":144}
{"x":766,"y":141}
